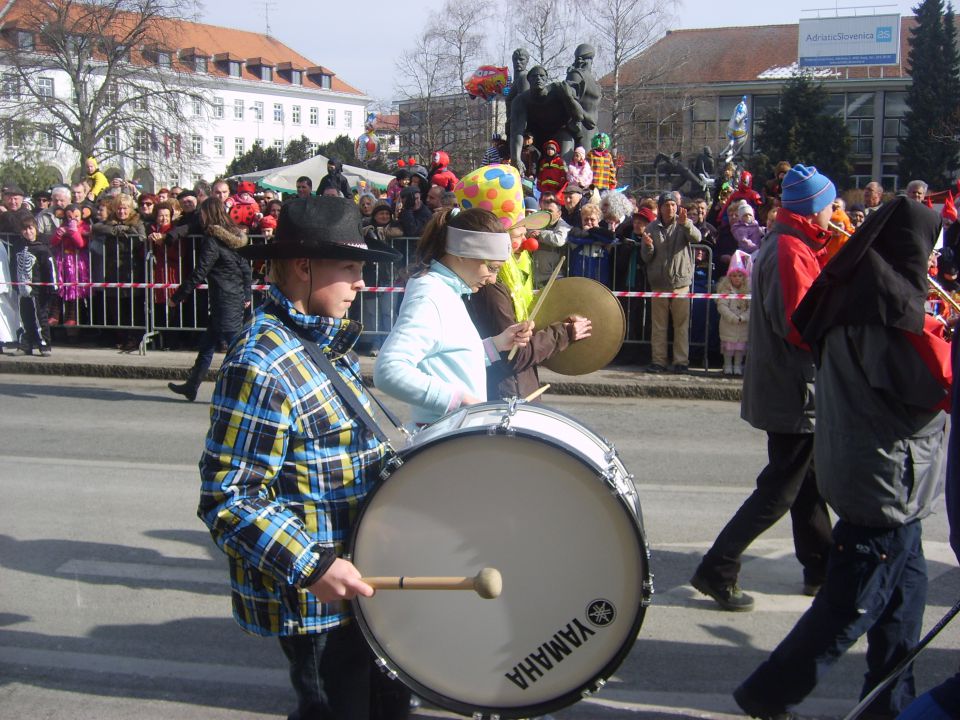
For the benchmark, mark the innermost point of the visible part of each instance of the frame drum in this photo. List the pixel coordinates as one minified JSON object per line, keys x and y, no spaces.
{"x":530,"y":492}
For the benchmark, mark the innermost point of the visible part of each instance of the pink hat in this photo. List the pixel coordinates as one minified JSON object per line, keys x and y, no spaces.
{"x":740,"y":262}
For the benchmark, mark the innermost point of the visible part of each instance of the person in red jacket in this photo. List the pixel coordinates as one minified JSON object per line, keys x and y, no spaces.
{"x":440,"y":173}
{"x":244,"y":208}
{"x":746,"y":192}
{"x":552,"y":173}
{"x":778,"y":397}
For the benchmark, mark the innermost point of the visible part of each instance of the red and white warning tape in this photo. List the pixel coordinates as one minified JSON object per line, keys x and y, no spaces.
{"x":171,"y":286}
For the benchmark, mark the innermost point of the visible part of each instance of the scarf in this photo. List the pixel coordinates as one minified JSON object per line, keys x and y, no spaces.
{"x":517,"y":274}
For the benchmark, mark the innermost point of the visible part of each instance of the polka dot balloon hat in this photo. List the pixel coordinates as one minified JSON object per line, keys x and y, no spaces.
{"x":495,"y":188}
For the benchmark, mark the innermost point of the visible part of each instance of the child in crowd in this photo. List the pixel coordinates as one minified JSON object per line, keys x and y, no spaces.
{"x":601,"y":162}
{"x":69,"y":243}
{"x":33,"y":263}
{"x":841,"y":229}
{"x":579,"y":171}
{"x":434,"y":358}
{"x":734,"y":314}
{"x":552,"y":173}
{"x":746,"y":229}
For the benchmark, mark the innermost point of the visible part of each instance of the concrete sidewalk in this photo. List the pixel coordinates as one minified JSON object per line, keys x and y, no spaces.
{"x":613,"y":381}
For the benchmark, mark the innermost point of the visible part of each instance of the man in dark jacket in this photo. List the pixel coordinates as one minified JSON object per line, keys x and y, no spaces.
{"x":334,"y":179}
{"x":778,"y":397}
{"x":883,"y":381}
{"x":415,"y":215}
{"x":11,"y":221}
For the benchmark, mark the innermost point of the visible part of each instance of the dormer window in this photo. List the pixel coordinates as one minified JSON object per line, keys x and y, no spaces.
{"x":321,"y":76}
{"x":233,"y":68}
{"x":163,"y":58}
{"x":324,"y":81}
{"x":266,"y":73}
{"x":296,"y":77}
{"x":200,"y":64}
{"x":25,"y":40}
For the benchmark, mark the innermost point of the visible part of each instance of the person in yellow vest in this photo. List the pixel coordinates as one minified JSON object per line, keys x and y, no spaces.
{"x":97,"y":180}
{"x":499,"y":305}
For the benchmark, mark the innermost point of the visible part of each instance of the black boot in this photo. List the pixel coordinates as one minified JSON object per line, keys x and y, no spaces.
{"x":188,"y":390}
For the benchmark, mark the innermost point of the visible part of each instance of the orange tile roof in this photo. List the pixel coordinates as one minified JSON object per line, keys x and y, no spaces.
{"x":733,"y":55}
{"x":387,"y":122}
{"x":212,"y":40}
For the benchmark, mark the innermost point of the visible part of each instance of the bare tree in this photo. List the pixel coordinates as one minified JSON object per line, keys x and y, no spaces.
{"x":435,"y":112}
{"x":623,"y":29}
{"x":543,"y":28}
{"x":127,"y":90}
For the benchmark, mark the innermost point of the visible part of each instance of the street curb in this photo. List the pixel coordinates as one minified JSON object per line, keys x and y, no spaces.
{"x":675,"y":391}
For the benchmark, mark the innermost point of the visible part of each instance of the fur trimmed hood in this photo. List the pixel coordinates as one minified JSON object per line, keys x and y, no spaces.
{"x":233,"y":240}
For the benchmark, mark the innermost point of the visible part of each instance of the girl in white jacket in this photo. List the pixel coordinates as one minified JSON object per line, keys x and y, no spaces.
{"x":734,"y":314}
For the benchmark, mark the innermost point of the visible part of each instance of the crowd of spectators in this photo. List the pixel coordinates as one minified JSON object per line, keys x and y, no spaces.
{"x":106,"y":230}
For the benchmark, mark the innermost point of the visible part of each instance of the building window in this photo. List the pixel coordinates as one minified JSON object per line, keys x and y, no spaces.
{"x":111,"y":140}
{"x":46,"y":139}
{"x":313,"y":148}
{"x":197,"y":104}
{"x":141,"y":141}
{"x":218,"y":108}
{"x":196,"y":144}
{"x":278,"y":146}
{"x":314,"y":116}
{"x":296,"y":77}
{"x":277,"y":112}
{"x":331,"y":118}
{"x":266,"y":73}
{"x":233,"y":68}
{"x":218,"y":145}
{"x":45,"y":87}
{"x":25,"y":40}
{"x":295,"y":114}
{"x":325,"y":82}
{"x":238,"y":109}
{"x":239,"y":146}
{"x":140,"y":103}
{"x":163,"y":59}
{"x":112,"y":94}
{"x":199,"y":63}
{"x":258,"y":111}
{"x":11,"y":86}
{"x":348,"y":119}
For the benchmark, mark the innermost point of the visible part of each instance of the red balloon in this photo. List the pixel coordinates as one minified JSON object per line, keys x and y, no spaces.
{"x":371,"y":146}
{"x":530,"y":244}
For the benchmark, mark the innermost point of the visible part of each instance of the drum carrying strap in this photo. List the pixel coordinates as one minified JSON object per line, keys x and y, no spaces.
{"x":336,"y":379}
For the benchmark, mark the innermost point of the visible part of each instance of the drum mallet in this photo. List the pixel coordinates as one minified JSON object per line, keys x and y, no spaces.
{"x":488,"y":583}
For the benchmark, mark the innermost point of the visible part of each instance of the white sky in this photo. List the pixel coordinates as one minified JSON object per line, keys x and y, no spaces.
{"x":360,"y":42}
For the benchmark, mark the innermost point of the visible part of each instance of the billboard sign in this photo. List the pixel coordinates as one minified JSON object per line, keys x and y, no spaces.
{"x":845,"y":41}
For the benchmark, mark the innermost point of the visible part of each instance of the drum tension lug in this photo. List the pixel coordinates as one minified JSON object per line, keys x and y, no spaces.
{"x":595,"y":688}
{"x":385,"y":668}
{"x":390,"y":466}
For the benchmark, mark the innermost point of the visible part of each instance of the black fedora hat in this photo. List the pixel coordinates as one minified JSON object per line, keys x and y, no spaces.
{"x":320,"y":227}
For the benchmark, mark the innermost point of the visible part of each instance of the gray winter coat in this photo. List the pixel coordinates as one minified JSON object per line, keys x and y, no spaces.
{"x":879,"y":449}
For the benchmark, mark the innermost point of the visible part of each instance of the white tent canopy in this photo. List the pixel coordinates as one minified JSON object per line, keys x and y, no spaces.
{"x":284,"y":179}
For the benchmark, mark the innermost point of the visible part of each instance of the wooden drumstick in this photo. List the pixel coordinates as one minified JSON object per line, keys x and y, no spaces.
{"x":538,"y":303}
{"x":536,"y":393}
{"x":488,"y":583}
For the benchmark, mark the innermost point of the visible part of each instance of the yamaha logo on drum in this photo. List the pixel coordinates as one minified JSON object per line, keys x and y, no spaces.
{"x":600,"y":613}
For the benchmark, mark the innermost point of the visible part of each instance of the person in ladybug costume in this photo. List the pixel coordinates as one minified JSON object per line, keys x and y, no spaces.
{"x":440,"y":173}
{"x":244,"y":208}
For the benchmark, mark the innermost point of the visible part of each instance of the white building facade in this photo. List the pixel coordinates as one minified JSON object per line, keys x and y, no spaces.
{"x":252,"y":88}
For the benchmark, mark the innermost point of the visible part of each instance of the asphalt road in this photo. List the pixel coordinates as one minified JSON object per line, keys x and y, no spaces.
{"x":114,"y":602}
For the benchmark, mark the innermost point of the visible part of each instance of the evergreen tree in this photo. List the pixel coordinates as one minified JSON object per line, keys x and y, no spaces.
{"x":801,"y":130}
{"x":298,"y":150}
{"x":256,"y":158}
{"x":929,"y":149}
{"x":340,"y":149}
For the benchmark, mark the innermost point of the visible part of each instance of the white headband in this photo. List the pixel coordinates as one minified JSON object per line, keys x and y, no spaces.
{"x":478,"y":245}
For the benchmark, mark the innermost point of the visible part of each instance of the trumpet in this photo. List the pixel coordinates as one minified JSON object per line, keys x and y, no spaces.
{"x":934,"y":285}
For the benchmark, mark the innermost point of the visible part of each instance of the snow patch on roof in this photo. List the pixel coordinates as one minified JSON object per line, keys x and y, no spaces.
{"x":785,"y":72}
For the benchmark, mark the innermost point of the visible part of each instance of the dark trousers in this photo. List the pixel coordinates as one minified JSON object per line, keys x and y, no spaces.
{"x":787,"y":482}
{"x":335,"y":678}
{"x":35,"y":319}
{"x":209,"y":341}
{"x":876,"y":584}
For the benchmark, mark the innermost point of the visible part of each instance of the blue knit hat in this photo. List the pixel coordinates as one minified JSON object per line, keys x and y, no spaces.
{"x":805,"y":191}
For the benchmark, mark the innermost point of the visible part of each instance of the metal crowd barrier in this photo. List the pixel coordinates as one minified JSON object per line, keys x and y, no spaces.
{"x":123,"y":269}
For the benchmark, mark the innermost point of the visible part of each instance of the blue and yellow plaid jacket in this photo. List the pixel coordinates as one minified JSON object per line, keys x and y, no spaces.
{"x":285,"y":467}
